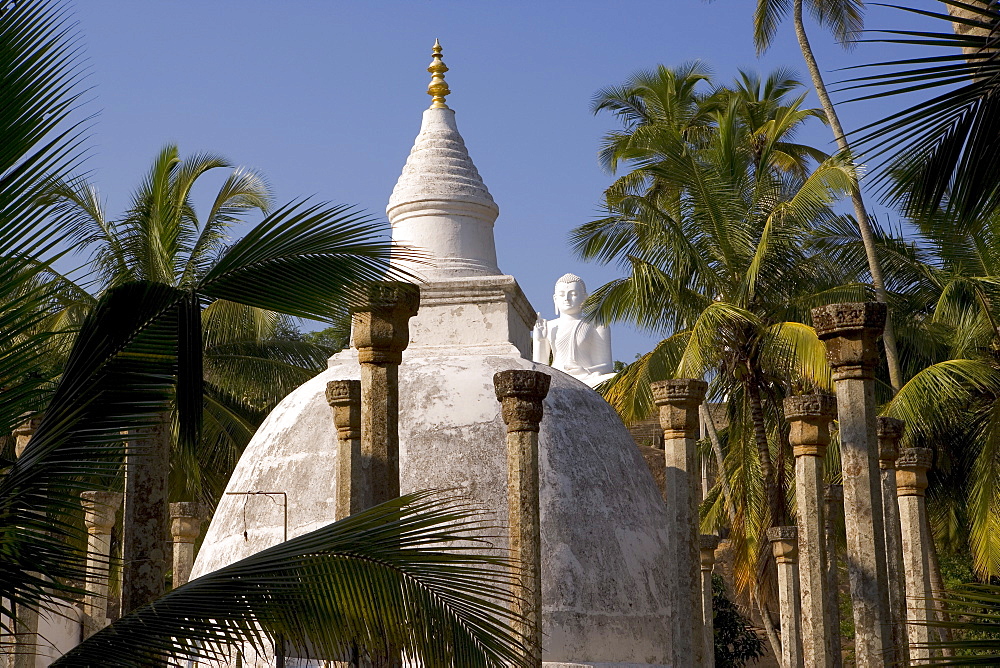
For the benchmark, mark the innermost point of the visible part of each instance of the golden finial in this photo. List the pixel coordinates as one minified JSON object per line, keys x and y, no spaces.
{"x":438,"y":88}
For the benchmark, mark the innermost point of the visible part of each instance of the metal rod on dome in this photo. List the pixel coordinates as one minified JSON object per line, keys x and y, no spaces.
{"x":279,"y":640}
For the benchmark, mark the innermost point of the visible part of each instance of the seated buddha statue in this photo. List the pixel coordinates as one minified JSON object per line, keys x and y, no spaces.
{"x":575,"y":346}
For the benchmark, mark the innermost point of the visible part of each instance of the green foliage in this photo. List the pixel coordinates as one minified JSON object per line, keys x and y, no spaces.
{"x":334,"y":338}
{"x":942,"y":152}
{"x":712,"y":228}
{"x":975,"y":626}
{"x":736,"y":643}
{"x":303,"y":259}
{"x":844,"y":18}
{"x":388,"y":579}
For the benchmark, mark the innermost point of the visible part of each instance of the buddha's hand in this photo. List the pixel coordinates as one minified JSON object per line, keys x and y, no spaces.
{"x":541,"y":330}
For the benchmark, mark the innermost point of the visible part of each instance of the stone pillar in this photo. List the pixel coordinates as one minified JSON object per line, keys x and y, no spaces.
{"x":809,"y":418}
{"x":22,"y":651}
{"x":678,"y":401}
{"x":24,"y":432}
{"x":147,"y":519}
{"x":99,"y":510}
{"x":26,"y":626}
{"x":850,"y":332}
{"x":709,"y":544}
{"x":353,"y":489}
{"x":380,"y":332}
{"x":520,"y":393}
{"x":833,"y":502}
{"x":911,"y":484}
{"x":889,"y":432}
{"x":784,"y":543}
{"x":185,"y":527}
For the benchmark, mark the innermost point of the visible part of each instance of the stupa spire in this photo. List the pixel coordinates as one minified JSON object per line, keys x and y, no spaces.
{"x":438,"y":87}
{"x":440,"y":205}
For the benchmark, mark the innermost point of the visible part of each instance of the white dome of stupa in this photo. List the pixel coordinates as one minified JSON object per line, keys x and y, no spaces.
{"x":604,"y":544}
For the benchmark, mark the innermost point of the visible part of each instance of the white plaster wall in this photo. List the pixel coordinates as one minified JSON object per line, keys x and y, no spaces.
{"x":602,"y":516}
{"x":60,"y":629}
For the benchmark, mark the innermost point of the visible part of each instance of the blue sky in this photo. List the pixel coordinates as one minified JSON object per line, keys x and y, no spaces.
{"x":325,"y":97}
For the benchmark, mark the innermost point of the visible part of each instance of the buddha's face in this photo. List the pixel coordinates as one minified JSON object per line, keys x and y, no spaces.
{"x":569,"y":298}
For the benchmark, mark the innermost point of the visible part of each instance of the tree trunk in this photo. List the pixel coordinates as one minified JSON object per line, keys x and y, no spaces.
{"x":860,"y":213}
{"x":769,"y":630}
{"x":713,"y":437}
{"x":774,"y":501}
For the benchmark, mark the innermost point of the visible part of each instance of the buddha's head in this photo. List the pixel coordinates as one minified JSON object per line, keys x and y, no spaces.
{"x":569,"y":295}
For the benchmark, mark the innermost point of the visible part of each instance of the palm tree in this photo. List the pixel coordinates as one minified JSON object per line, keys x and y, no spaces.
{"x":248,"y":367}
{"x":942,"y":153}
{"x":442,"y":606}
{"x":951,"y":402}
{"x":715,"y":251}
{"x":387,"y":579}
{"x":844,"y":18}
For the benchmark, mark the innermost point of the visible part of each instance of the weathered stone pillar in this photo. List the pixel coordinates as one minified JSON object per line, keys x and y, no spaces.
{"x":380,"y":332}
{"x":833,"y":506}
{"x":520,"y":393}
{"x":678,"y":400}
{"x":911,"y":484}
{"x":850,"y":332}
{"x":22,"y":651}
{"x":889,"y":432}
{"x":185,"y":526}
{"x":784,"y":543}
{"x":147,"y":518}
{"x":709,"y":544}
{"x":353,"y":489}
{"x":26,"y":626}
{"x":809,"y":418}
{"x":964,"y":29}
{"x":25,"y":431}
{"x":99,"y":510}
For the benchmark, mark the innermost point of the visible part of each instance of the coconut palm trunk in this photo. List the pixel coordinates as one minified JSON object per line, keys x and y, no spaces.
{"x":860,"y":213}
{"x":767,"y":470}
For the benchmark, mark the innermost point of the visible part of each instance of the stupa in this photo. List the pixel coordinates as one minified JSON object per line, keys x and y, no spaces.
{"x":602,"y":516}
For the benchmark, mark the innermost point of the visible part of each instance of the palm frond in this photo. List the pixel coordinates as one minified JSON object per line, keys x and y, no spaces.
{"x":392,"y":578}
{"x":305,"y":261}
{"x":942,"y":152}
{"x":119,"y":376}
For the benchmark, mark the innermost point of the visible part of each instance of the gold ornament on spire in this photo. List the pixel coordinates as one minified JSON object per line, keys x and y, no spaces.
{"x":438,"y":88}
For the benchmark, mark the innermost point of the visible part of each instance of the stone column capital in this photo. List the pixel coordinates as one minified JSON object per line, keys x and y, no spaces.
{"x":809,"y":417}
{"x":27,"y":428}
{"x":678,"y":400}
{"x":344,"y":396}
{"x":380,"y":326}
{"x":185,"y":521}
{"x":708,"y":544}
{"x":889,"y":431}
{"x":682,"y":391}
{"x":850,"y":332}
{"x":784,"y":543}
{"x":911,"y":473}
{"x":520,"y":393}
{"x":99,"y":510}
